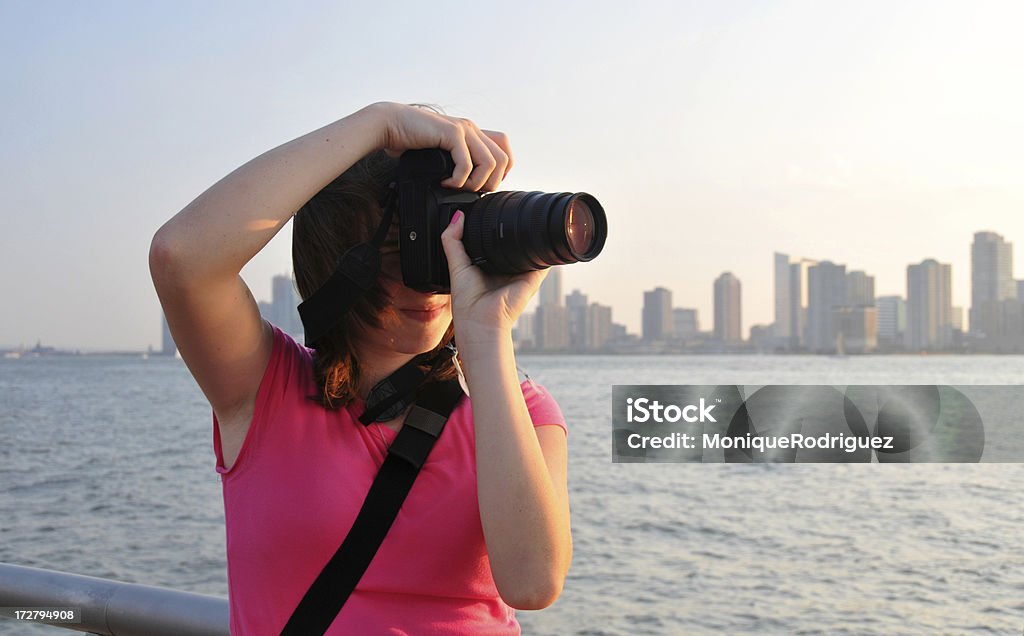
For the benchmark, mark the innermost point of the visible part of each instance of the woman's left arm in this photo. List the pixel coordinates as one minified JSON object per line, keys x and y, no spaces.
{"x":521,"y":470}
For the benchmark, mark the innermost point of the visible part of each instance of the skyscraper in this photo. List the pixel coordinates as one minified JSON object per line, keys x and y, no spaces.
{"x":657,"y":314}
{"x":798,"y":298}
{"x":599,"y":326}
{"x":783,"y":326}
{"x":826,"y":290}
{"x":727,"y":309}
{"x":929,"y":305}
{"x":551,"y":328}
{"x":551,"y":321}
{"x":576,"y":314}
{"x":860,"y":289}
{"x":991,"y":278}
{"x":892,"y":319}
{"x":167,"y":345}
{"x":684,"y":323}
{"x":551,"y":289}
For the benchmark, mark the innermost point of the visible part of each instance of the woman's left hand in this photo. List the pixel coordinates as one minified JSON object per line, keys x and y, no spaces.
{"x":483,"y":305}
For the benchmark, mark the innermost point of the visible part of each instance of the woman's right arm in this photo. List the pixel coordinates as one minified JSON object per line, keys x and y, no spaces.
{"x":196,"y":257}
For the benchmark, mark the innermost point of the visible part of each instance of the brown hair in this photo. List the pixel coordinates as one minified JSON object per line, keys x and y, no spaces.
{"x":346,"y":212}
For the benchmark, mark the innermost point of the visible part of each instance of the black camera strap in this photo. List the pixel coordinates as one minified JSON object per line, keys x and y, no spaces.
{"x":355,"y":274}
{"x":392,"y":395}
{"x":406,"y":455}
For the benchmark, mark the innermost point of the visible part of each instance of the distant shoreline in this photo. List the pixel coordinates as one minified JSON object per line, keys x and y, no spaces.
{"x":69,"y":353}
{"x":14,"y":354}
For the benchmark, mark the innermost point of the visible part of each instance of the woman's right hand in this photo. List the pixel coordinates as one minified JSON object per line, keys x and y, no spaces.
{"x":482,"y":157}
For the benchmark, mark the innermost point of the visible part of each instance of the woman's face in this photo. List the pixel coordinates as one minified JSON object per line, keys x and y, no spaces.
{"x":419,"y":320}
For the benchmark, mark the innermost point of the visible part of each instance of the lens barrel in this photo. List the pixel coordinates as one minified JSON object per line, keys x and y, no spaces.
{"x":516,"y":232}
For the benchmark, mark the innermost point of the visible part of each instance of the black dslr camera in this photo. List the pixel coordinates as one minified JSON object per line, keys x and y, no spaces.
{"x":505,"y":232}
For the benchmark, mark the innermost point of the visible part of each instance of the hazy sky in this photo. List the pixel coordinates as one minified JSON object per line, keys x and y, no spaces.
{"x":873,"y":134}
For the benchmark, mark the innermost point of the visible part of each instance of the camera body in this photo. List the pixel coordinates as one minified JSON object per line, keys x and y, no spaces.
{"x":504,"y":232}
{"x":424,"y":211}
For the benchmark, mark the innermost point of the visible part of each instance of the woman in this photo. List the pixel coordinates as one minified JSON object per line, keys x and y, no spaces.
{"x":486,"y":526}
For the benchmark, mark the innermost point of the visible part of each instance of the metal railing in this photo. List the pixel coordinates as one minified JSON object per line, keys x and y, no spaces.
{"x":112,"y":608}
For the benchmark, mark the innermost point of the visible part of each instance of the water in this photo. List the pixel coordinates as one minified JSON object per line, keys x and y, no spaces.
{"x":106,"y":469}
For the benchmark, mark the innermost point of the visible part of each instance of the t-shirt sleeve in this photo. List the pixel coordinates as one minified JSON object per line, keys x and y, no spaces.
{"x":285,"y":374}
{"x":544,"y":410}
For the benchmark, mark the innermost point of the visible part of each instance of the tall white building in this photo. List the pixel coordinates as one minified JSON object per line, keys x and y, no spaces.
{"x":551,"y":289}
{"x":991,"y":278}
{"x":599,"y":325}
{"x":826,"y":291}
{"x":576,"y":314}
{"x":929,"y":306}
{"x":798,"y":289}
{"x":782,"y":329}
{"x":728,"y":309}
{"x":551,"y":328}
{"x":657,"y":314}
{"x":551,"y":320}
{"x":892,"y":319}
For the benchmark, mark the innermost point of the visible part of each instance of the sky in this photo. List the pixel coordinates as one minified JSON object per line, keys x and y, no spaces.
{"x":873,"y":134}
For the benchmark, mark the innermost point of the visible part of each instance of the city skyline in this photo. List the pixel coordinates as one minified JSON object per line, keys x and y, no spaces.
{"x":820,"y":307}
{"x":712,"y":140}
{"x":857,"y":287}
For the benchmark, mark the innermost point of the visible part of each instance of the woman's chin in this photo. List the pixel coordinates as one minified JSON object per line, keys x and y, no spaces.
{"x":407,"y":332}
{"x":418,"y":338}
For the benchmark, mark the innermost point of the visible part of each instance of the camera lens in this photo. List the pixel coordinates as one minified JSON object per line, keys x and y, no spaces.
{"x":579,"y":227}
{"x":515,"y":232}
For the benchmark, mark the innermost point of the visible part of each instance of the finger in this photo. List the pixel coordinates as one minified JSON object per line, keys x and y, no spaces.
{"x":535,"y":278}
{"x":501,"y":139}
{"x":455,"y":143}
{"x":451,"y":241}
{"x":484,"y":162}
{"x":501,"y":163}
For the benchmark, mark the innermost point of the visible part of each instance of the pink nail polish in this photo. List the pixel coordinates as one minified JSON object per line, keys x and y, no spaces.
{"x":456,"y":216}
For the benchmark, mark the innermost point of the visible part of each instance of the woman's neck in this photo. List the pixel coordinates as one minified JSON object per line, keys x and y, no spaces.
{"x":375,"y":366}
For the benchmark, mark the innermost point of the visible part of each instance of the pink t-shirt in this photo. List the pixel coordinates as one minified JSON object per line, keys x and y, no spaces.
{"x":297,"y":485}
